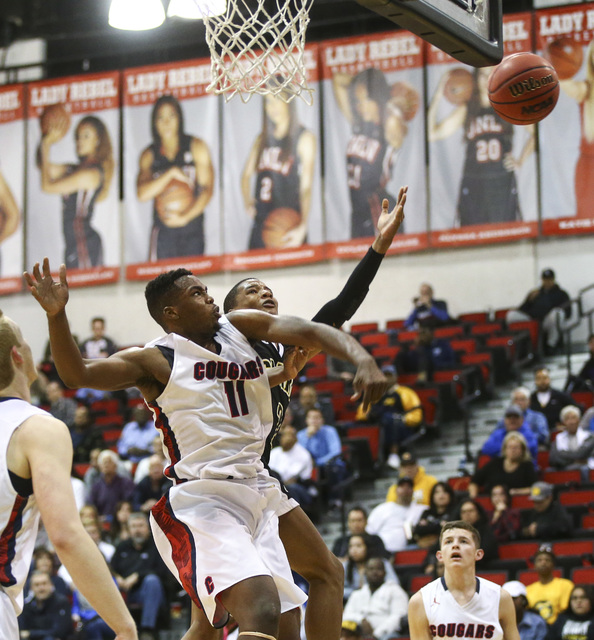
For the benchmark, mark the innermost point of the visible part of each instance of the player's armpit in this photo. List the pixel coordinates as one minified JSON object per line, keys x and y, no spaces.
{"x":417,"y":619}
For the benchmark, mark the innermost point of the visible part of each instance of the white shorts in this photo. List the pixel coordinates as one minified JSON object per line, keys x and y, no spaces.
{"x":9,"y":627}
{"x":286,"y":504}
{"x":213,"y":534}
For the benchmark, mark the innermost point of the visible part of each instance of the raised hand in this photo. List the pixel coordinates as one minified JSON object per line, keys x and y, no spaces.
{"x":389,"y":222}
{"x":51,"y":295}
{"x":370,"y":384}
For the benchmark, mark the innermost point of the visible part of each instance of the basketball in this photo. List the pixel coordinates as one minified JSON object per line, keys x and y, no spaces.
{"x":523,"y":88}
{"x":174,"y":199}
{"x":566,"y":55}
{"x":54,"y":117}
{"x":406,"y":98}
{"x":277,"y":224}
{"x":458,"y":86}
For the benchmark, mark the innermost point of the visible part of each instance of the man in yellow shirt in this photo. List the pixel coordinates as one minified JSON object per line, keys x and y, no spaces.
{"x":422,"y":481}
{"x":548,"y":595}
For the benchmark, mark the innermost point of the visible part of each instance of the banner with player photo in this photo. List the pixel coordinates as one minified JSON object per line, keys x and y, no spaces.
{"x":482,"y":169}
{"x":374,"y":135}
{"x":73,"y":141}
{"x":565,"y":36}
{"x":12,"y":187}
{"x":171,"y":156}
{"x":272,"y":213}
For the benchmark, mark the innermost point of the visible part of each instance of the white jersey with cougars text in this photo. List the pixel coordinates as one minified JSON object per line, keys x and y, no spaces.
{"x":19,"y":516}
{"x":479,"y":618}
{"x":216,"y":410}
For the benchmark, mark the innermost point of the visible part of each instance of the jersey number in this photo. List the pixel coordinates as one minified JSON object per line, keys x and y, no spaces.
{"x":266,"y":189}
{"x":488,"y":150}
{"x":235,"y":392}
{"x":354,"y":176}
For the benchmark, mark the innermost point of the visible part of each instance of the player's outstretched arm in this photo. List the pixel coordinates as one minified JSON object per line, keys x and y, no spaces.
{"x":389,"y":222}
{"x":47,"y":447}
{"x":507,"y":617}
{"x":418,"y":624}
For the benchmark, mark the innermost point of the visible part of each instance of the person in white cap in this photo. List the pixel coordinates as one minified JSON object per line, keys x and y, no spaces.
{"x":531,"y":626}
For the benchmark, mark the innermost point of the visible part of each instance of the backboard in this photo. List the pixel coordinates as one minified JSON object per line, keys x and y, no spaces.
{"x":469,"y":30}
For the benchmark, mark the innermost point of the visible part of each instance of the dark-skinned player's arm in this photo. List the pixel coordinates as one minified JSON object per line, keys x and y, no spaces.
{"x":119,"y":371}
{"x":369,"y":383}
{"x":418,"y":625}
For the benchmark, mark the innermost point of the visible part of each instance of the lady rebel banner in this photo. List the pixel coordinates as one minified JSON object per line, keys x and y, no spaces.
{"x":482,"y":169}
{"x":374,"y":137}
{"x":171,"y":158}
{"x":73,"y":139}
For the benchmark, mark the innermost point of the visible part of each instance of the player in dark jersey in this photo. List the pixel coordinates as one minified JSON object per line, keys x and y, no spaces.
{"x":10,"y":216}
{"x":378,"y":131}
{"x":307,"y":552}
{"x":81,"y":186}
{"x":282,"y":158}
{"x":488,"y":191}
{"x":175,"y":156}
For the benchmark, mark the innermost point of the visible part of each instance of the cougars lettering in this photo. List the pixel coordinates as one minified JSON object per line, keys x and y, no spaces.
{"x":461,"y":630}
{"x":228,"y":370}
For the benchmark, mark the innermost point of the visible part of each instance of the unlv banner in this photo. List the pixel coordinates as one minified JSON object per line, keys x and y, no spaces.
{"x":12,"y":187}
{"x":374,"y":136}
{"x":272,"y":175}
{"x":171,"y":151}
{"x":73,"y":143}
{"x":482,"y":169}
{"x":565,"y":37}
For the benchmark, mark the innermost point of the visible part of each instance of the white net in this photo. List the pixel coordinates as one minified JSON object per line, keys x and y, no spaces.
{"x":257,"y":46}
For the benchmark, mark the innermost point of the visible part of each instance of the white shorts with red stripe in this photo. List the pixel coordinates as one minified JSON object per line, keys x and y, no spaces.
{"x":213,"y":534}
{"x":9,"y":627}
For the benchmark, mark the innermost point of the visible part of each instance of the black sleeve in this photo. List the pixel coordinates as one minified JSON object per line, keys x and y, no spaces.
{"x":342,"y":308}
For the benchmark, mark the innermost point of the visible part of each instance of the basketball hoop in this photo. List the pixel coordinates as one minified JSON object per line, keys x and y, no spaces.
{"x":257,"y":46}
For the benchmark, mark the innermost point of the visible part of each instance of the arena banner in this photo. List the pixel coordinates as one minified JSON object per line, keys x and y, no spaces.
{"x":482,"y":169}
{"x":565,"y":37}
{"x":73,"y":141}
{"x":171,"y":160}
{"x":374,"y":136}
{"x":12,"y":187}
{"x":272,"y":212}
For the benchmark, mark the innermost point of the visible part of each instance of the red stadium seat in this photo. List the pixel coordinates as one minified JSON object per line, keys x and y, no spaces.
{"x":582,"y":575}
{"x":371,"y":432}
{"x":418,"y":582}
{"x":564,"y":476}
{"x":521,"y":550}
{"x":477,"y":317}
{"x":449,"y":332}
{"x":530,"y":576}
{"x":410,"y":556}
{"x":395,"y":324}
{"x":374,"y":340}
{"x":468,"y":345}
{"x":577,"y":497}
{"x":364,"y":327}
{"x":573,"y":547}
{"x":498,"y":577}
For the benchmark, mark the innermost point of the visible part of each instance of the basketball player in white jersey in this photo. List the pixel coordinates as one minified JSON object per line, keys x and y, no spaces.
{"x":216,"y":529}
{"x":35,"y":463}
{"x":460,"y":605}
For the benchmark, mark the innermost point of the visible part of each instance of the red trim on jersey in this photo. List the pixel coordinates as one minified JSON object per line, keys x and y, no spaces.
{"x":162,"y":423}
{"x":8,"y":541}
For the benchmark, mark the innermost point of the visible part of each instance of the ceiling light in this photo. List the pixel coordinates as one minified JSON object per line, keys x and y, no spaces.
{"x":196,"y":9}
{"x":136,"y":15}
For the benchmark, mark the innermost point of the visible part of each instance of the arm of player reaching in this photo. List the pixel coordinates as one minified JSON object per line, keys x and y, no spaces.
{"x":507,"y":617}
{"x":47,"y":447}
{"x":418,"y":625}
{"x":369,"y":381}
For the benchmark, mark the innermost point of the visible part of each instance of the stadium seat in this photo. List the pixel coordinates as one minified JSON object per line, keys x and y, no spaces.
{"x":410,"y":556}
{"x":449,"y":331}
{"x":522,"y":550}
{"x":582,"y":575}
{"x":476,"y":317}
{"x":418,"y":582}
{"x":530,"y":576}
{"x":498,"y":577}
{"x":564,"y":476}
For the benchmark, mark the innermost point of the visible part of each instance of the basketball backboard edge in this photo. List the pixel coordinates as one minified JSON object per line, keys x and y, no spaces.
{"x":447,"y":25}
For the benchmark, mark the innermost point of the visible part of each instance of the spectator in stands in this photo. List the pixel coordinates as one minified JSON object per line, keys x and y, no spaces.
{"x":503,"y":519}
{"x":423,"y":483}
{"x":548,"y":305}
{"x":379,"y":606}
{"x":61,"y":407}
{"x":399,"y":413}
{"x":531,"y":626}
{"x":514,"y":468}
{"x":355,"y":565}
{"x":548,"y":400}
{"x":356,"y":525}
{"x":585,"y":378}
{"x":341,"y":370}
{"x":577,"y":621}
{"x":44,"y":560}
{"x":48,"y":614}
{"x":136,"y":439}
{"x":442,"y":505}
{"x":428,"y":354}
{"x":140,"y":572}
{"x":573,"y":448}
{"x":95,"y":530}
{"x":294,"y":465}
{"x":152,"y":488}
{"x":394,"y":521}
{"x":350,"y":630}
{"x":85,"y":435}
{"x":513,"y":421}
{"x":98,"y":345}
{"x":547,"y":520}
{"x":92,"y":474}
{"x":473,"y":513}
{"x":308,"y":399}
{"x":110,"y":487}
{"x":143,"y":466}
{"x":534,"y":420}
{"x":587,"y":421}
{"x":118,"y":529}
{"x":548,"y":595}
{"x":427,"y":311}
